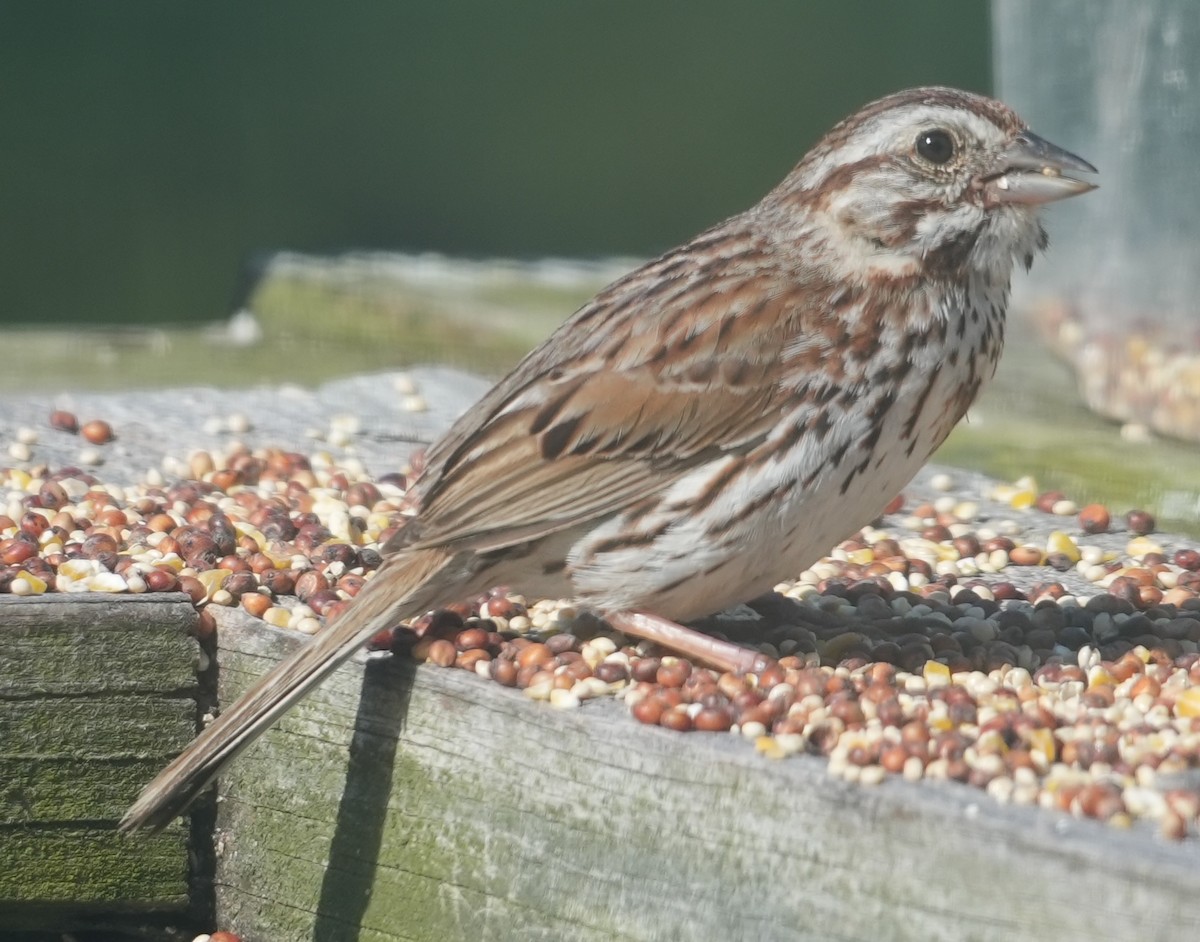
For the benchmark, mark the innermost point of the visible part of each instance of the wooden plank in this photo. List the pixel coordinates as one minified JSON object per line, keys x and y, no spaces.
{"x":91,"y":869}
{"x":110,"y":728}
{"x":97,"y":692}
{"x":439,"y":806}
{"x":75,"y":645}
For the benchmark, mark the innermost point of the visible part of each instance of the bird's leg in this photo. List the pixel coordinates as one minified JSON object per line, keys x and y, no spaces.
{"x":688,"y":642}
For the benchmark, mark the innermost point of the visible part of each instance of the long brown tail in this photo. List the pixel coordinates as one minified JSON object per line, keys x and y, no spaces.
{"x":406,"y":586}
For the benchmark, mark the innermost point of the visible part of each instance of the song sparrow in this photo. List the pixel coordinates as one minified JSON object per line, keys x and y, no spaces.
{"x":712,"y":422}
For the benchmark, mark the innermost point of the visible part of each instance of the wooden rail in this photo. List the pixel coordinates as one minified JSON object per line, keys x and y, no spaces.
{"x":414,"y":803}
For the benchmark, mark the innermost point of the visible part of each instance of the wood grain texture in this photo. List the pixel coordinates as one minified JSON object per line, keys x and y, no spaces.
{"x":404,"y":803}
{"x":96,"y":693}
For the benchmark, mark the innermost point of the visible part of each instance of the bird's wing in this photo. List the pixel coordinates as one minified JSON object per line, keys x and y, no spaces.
{"x":673,"y":366}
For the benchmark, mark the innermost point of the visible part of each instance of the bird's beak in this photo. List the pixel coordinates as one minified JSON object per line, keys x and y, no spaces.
{"x":1031,"y":171}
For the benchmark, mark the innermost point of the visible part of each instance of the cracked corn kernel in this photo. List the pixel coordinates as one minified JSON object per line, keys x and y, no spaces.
{"x":1022,"y":499}
{"x":277,"y":616}
{"x":27,"y":584}
{"x":936,"y":674}
{"x":1042,"y":745}
{"x":1188,"y":704}
{"x":1059,"y":542}
{"x":213,"y":580}
{"x":1139,"y":546}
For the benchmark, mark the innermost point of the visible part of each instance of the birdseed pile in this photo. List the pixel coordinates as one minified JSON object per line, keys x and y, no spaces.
{"x":1149,"y":376}
{"x":992,"y":634}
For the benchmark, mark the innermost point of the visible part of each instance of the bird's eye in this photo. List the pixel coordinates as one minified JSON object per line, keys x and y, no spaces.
{"x":936,"y":146}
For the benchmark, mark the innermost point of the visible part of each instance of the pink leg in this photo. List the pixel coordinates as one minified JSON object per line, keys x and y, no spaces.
{"x":693,"y":644}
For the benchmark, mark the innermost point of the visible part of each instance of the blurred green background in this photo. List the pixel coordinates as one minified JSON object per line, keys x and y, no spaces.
{"x":156,"y":158}
{"x":152,"y":151}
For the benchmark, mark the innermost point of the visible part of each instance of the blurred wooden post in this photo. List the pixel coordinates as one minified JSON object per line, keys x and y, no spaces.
{"x":97,"y":692}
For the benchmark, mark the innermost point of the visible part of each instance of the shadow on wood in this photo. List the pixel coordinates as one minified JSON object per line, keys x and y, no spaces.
{"x":358,"y":828}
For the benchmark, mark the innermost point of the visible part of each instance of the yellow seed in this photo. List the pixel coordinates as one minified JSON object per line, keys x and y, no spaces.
{"x":1059,"y":542}
{"x":213,"y":580}
{"x":172,"y":561}
{"x":78,"y":568}
{"x":1139,"y":546}
{"x":27,"y":584}
{"x":936,"y":674}
{"x":769,"y":747}
{"x":1022,"y":500}
{"x":18,"y":479}
{"x":1188,"y":704}
{"x":861,"y":557}
{"x":947,"y":553}
{"x":279,"y":617}
{"x":245,"y":529}
{"x":378,"y":522}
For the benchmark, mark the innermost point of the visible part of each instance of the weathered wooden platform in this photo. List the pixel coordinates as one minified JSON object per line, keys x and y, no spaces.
{"x":415,"y":803}
{"x":406,"y":803}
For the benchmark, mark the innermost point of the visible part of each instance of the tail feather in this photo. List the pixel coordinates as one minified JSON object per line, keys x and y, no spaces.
{"x":406,"y":586}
